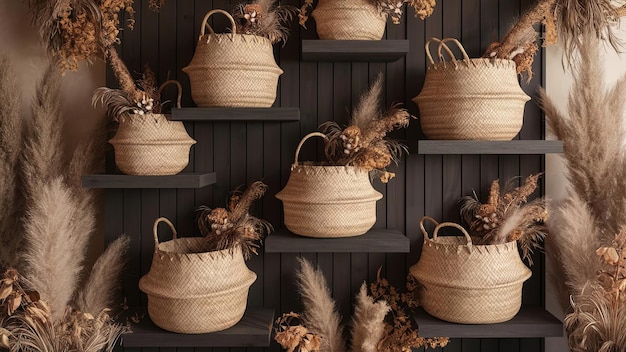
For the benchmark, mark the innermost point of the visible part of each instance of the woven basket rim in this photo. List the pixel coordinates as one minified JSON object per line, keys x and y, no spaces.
{"x":473,"y":63}
{"x":136,"y":142}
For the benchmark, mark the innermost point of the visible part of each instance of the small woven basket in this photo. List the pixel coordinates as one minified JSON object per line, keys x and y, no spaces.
{"x":191,"y":291}
{"x":150,"y":144}
{"x":348,"y":20}
{"x":470,"y":99}
{"x":466,"y":283}
{"x":328,"y":201}
{"x":232,"y":70}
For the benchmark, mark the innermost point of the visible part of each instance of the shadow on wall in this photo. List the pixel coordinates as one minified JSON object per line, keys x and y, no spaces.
{"x":20,"y":42}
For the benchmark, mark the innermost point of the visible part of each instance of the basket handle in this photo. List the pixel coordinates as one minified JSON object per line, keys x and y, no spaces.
{"x":312,"y":134}
{"x":442,"y":44}
{"x":156,"y":235}
{"x":426,"y":235}
{"x":207,"y":26}
{"x":455,"y":225}
{"x":180,"y":90}
{"x":445,"y":47}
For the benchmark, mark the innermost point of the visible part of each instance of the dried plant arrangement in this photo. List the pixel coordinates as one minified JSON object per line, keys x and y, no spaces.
{"x":319,"y":327}
{"x":570,"y":19}
{"x":363,"y":142}
{"x":508,"y":216}
{"x":234,"y":227}
{"x":264,"y":18}
{"x":587,"y":229}
{"x":391,"y":8}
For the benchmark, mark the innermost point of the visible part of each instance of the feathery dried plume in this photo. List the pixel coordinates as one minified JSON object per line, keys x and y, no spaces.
{"x":11,"y":139}
{"x":368,"y":322}
{"x":369,"y":104}
{"x":320,"y":314}
{"x":264,"y":18}
{"x":99,"y":291}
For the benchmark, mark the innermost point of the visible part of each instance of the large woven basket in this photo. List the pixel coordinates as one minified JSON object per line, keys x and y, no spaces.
{"x":150,"y":144}
{"x":328,"y":201}
{"x":192,"y":291}
{"x":348,"y":20}
{"x":466,"y":283}
{"x":470,"y":99}
{"x":232,"y":70}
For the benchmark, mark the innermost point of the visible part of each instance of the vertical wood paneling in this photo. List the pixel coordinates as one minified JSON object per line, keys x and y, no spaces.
{"x":242,"y":152}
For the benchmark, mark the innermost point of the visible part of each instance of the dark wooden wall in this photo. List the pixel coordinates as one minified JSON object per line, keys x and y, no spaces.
{"x":241,"y":152}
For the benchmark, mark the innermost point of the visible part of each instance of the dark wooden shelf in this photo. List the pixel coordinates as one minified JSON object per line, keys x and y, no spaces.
{"x":253,"y":330}
{"x":354,"y":50}
{"x":185,"y":180}
{"x":531,"y":321}
{"x":236,"y":114}
{"x":374,"y":241}
{"x":487,"y":147}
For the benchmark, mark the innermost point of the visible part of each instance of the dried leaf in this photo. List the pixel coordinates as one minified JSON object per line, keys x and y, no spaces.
{"x":5,"y":292}
{"x":4,"y":338}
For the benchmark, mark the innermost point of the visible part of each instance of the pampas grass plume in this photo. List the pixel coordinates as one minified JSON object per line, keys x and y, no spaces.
{"x":320,"y":314}
{"x":368,"y":108}
{"x":368,"y":322}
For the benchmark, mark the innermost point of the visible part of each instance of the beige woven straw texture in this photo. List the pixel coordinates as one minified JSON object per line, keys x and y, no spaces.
{"x":232,"y":70}
{"x":328,"y":201}
{"x":470,"y":99}
{"x":466,"y":283}
{"x":192,"y":291}
{"x":348,"y":20}
{"x":150,"y":144}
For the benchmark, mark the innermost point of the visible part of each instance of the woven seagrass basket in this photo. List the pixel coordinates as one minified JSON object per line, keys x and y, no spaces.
{"x":328,"y":201}
{"x":466,"y":283}
{"x":191,"y":291}
{"x":150,"y":144}
{"x":232,"y":70}
{"x":348,"y":20}
{"x":470,"y":99}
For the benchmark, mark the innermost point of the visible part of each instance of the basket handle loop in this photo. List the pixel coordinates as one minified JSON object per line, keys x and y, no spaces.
{"x":312,"y":134}
{"x":427,"y":48}
{"x":156,"y":235}
{"x":426,"y":236}
{"x":455,"y":225}
{"x":442,"y":45}
{"x":180,"y":90}
{"x":207,"y":26}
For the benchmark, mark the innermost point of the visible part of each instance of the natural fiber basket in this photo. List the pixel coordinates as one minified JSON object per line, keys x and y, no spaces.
{"x":348,"y":20}
{"x":328,"y":201}
{"x":191,"y":291}
{"x":232,"y":70}
{"x":466,"y":283}
{"x":150,"y":144}
{"x":472,"y":99}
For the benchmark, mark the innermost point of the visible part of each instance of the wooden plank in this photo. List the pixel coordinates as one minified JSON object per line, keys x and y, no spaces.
{"x":374,"y":241}
{"x":253,"y":330}
{"x":354,"y":50}
{"x":236,"y":114}
{"x":488,"y":147}
{"x":190,"y":180}
{"x":531,"y":321}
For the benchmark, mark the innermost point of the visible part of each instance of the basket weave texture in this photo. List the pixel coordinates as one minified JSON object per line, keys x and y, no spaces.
{"x":232,"y":70}
{"x":191,"y":291}
{"x":150,"y":144}
{"x":348,"y":20}
{"x":466,"y":283}
{"x":328,"y":201}
{"x":470,"y":99}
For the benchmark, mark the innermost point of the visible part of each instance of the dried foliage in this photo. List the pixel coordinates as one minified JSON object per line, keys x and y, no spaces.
{"x":233,"y":227}
{"x":293,"y":336}
{"x":11,"y":139}
{"x":264,"y":18}
{"x":391,"y":8}
{"x":508,"y":216}
{"x":363,"y":142}
{"x":587,"y":230}
{"x":571,"y":19}
{"x":400,"y":334}
{"x":78,"y":30}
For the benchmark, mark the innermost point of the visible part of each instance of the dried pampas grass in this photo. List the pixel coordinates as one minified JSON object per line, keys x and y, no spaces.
{"x":368,"y":322}
{"x":11,"y":139}
{"x":320,"y":315}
